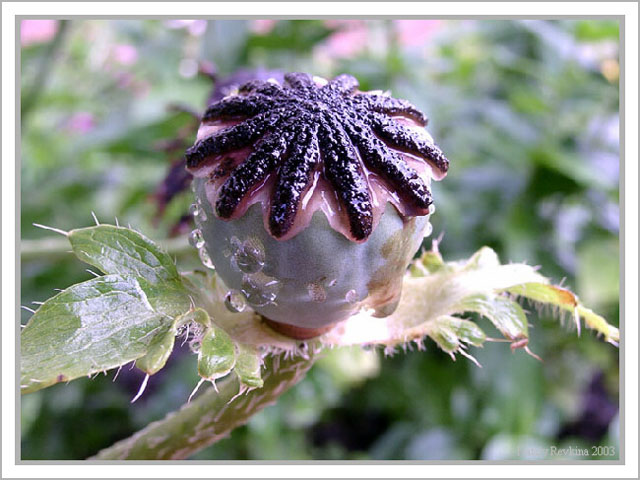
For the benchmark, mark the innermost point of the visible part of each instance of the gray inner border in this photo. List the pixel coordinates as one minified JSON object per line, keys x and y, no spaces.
{"x":622,"y":181}
{"x":620,"y":18}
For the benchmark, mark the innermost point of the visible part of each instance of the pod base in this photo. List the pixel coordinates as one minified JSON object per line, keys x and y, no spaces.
{"x":295,"y":332}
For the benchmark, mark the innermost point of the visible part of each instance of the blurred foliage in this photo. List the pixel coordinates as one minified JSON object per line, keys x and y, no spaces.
{"x":527,"y":111}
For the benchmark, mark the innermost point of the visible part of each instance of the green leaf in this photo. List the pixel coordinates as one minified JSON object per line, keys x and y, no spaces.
{"x":170,"y":298}
{"x":593,"y":320}
{"x":568,"y":301}
{"x":554,"y":295}
{"x":466,"y":330}
{"x":119,"y":250}
{"x":95,"y":326}
{"x":444,"y":336}
{"x":217,"y":354}
{"x":248,"y":366}
{"x":507,"y":316}
{"x":451,"y":332}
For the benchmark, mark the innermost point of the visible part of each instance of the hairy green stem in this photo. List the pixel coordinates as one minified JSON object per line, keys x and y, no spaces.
{"x":55,"y":247}
{"x":210,"y":417}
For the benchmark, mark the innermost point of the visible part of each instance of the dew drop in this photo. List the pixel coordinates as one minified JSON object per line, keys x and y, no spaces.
{"x":234,"y":301}
{"x":196,"y":239}
{"x":259,"y":289}
{"x":351,"y":296}
{"x":248,"y":256}
{"x":205,"y":258}
{"x":197,"y":212}
{"x":332,"y":283}
{"x":428,"y":230}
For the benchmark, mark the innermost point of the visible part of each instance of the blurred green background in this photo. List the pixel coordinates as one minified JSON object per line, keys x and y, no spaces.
{"x":527,"y":112}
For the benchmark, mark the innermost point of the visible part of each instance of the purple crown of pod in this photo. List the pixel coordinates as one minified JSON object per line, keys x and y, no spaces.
{"x":312,"y":144}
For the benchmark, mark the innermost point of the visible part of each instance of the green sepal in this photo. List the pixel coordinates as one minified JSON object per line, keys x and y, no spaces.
{"x":217,"y":355}
{"x":248,"y":366}
{"x":158,"y":353}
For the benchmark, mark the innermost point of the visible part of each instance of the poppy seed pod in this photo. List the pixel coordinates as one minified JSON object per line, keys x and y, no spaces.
{"x":312,"y":198}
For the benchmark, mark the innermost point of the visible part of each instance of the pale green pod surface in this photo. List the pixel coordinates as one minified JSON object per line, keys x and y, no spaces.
{"x":318,"y":277}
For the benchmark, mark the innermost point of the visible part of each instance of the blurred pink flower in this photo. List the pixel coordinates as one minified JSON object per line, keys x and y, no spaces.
{"x":262,"y":27}
{"x":125,"y":54}
{"x":414,"y":33}
{"x":37,"y":31}
{"x":351,"y":38}
{"x":80,"y":122}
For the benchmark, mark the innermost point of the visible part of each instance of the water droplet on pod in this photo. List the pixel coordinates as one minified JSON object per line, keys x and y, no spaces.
{"x":428,"y":230}
{"x":332,"y":283}
{"x":248,"y":256}
{"x":196,"y":239}
{"x":197,"y":212}
{"x":205,"y":258}
{"x":234,"y":301}
{"x":260,"y":289}
{"x":351,"y":296}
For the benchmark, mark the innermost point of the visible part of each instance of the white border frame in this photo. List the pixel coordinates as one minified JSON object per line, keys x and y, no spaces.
{"x":10,"y":263}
